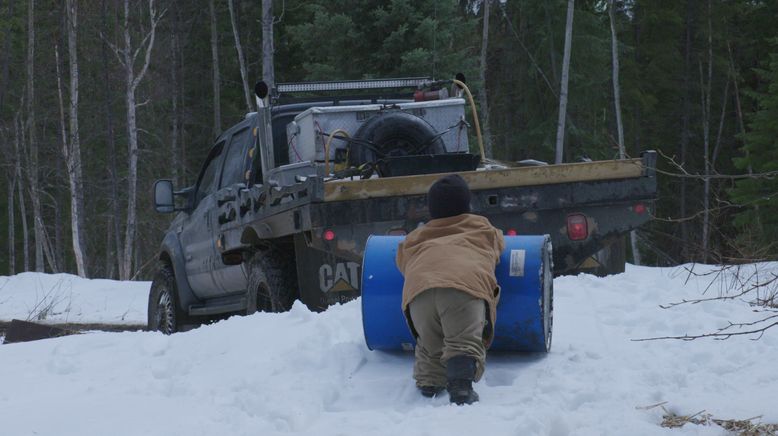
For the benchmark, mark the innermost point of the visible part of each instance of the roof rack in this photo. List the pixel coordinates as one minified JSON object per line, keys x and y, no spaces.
{"x":345,"y":85}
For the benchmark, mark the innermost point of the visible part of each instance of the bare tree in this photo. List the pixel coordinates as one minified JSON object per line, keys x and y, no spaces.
{"x":268,"y":45}
{"x":127,"y":56}
{"x":114,"y":255}
{"x":32,"y":145}
{"x":560,"y":133}
{"x":18,"y":129}
{"x":482,"y":70}
{"x":72,"y":151}
{"x":705,"y":92}
{"x":617,"y":104}
{"x":241,"y":59}
{"x":175,"y":96}
{"x":217,"y":112}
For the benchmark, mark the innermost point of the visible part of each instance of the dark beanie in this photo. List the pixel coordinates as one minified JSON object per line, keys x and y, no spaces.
{"x":449,"y":196}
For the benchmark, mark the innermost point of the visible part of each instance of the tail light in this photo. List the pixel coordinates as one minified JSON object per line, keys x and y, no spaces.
{"x":511,"y":232}
{"x":639,"y":208}
{"x":328,"y":235}
{"x":577,"y":228}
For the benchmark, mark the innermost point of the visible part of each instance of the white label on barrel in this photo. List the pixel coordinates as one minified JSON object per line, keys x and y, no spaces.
{"x":517,"y":263}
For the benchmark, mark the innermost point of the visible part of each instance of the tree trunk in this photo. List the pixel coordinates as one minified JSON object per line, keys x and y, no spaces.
{"x":617,"y":103}
{"x":20,"y":188}
{"x":175,"y":76}
{"x":482,"y":70}
{"x":551,"y":48}
{"x":32,"y":146}
{"x":6,"y":55}
{"x":73,"y":150}
{"x":132,"y":81}
{"x":11,"y":224}
{"x":217,"y":112}
{"x":241,"y":59}
{"x":685,"y":129}
{"x":115,"y":218}
{"x":560,"y":133}
{"x":706,"y":91}
{"x":268,"y":44}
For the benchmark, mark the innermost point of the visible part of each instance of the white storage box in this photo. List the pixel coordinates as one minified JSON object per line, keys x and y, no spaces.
{"x":309,"y":131}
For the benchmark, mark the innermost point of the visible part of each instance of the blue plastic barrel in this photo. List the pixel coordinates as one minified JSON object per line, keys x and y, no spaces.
{"x":524,"y":313}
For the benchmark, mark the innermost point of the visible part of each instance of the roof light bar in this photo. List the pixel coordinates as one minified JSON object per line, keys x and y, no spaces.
{"x":411,"y":82}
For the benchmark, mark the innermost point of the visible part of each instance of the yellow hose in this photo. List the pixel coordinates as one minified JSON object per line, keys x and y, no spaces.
{"x":327,"y":148}
{"x":475,"y":117}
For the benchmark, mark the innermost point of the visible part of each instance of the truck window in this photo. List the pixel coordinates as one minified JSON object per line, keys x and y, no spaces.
{"x":209,"y":179}
{"x":236,"y":161}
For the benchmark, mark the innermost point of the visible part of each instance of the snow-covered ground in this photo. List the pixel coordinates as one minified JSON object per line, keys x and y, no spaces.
{"x":304,"y":373}
{"x":65,"y":298}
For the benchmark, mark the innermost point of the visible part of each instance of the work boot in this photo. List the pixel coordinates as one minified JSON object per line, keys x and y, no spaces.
{"x":430,"y":391}
{"x":460,"y":371}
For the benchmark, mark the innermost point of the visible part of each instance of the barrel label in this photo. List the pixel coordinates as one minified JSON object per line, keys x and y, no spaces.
{"x":517,"y":263}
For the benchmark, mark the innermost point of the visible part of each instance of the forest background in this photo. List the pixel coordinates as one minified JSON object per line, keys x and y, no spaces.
{"x":100,"y":98}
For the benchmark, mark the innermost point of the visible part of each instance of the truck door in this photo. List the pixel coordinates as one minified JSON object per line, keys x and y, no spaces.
{"x":197,"y":231}
{"x":237,"y":162}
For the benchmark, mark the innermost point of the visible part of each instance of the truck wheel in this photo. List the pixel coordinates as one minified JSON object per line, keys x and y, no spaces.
{"x":164,"y":314}
{"x":272,"y":281}
{"x":394,"y":134}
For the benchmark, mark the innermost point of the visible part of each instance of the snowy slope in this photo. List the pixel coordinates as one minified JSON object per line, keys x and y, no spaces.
{"x":64,"y":298}
{"x":303,"y":373}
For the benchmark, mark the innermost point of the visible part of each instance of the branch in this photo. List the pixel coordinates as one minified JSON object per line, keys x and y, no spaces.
{"x":684,"y":174}
{"x":114,"y":49}
{"x":147,"y":58}
{"x":722,"y":333}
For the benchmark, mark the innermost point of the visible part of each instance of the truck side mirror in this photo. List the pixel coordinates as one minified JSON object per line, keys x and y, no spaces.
{"x":163,"y":196}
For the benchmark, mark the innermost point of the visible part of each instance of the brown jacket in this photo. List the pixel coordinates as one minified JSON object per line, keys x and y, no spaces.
{"x":458,"y":252}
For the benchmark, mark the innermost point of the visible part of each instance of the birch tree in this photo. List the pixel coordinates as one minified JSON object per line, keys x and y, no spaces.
{"x":560,"y":132}
{"x":18,"y":128}
{"x":241,"y":59}
{"x":127,"y":55}
{"x":32,"y":145}
{"x":617,"y":103}
{"x":483,"y":101}
{"x":72,"y":150}
{"x":217,"y":112}
{"x":268,"y":45}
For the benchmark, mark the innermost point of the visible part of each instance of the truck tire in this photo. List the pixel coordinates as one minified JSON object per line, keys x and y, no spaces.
{"x":272,"y":284}
{"x":394,"y":134}
{"x":164,"y":314}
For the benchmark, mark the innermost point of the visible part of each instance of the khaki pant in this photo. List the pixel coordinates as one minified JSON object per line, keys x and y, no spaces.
{"x":449,"y":323}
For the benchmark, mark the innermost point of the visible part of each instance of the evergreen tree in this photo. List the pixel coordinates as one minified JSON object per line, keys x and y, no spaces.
{"x":759,"y":195}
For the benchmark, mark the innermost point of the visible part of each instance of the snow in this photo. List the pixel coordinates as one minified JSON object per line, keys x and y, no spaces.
{"x":301,"y":373}
{"x":65,"y":298}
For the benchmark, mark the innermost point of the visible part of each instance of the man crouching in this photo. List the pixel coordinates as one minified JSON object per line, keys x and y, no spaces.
{"x":449,"y":289}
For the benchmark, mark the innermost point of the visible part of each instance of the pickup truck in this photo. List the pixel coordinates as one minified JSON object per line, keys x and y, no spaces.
{"x":286,"y":198}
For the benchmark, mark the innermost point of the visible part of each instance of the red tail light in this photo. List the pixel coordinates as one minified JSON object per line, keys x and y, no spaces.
{"x":640,"y":208}
{"x":577,"y":229}
{"x":328,"y":235}
{"x":511,"y":232}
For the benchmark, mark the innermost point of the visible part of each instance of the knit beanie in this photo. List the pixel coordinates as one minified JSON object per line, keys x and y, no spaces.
{"x":449,"y":196}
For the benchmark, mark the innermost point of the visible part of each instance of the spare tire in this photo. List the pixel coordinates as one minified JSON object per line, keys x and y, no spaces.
{"x":393,"y":134}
